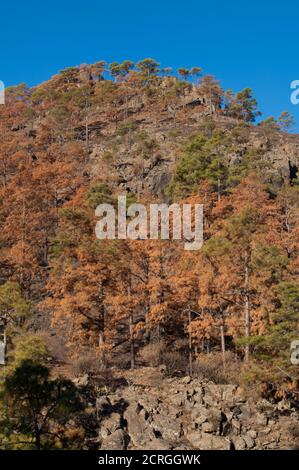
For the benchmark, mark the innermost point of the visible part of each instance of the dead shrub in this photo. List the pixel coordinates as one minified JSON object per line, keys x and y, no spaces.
{"x":56,"y":345}
{"x":181,"y":345}
{"x":153,"y":353}
{"x":87,"y":363}
{"x":176,"y":363}
{"x":174,"y":360}
{"x":210,"y":367}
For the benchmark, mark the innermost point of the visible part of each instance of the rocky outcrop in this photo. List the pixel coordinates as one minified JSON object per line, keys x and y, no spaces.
{"x":146,"y":158}
{"x":191,"y":414}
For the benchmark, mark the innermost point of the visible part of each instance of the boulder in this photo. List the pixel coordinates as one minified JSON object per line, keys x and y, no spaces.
{"x":170,"y":428}
{"x":199,"y":414}
{"x":207,"y":427}
{"x":177,"y":400}
{"x":81,"y":381}
{"x":236,"y":426}
{"x":210,"y":419}
{"x":110,"y":424}
{"x":103,"y":406}
{"x":208,"y":441}
{"x":213,"y":394}
{"x":249,"y":441}
{"x":246,"y":412}
{"x":265,"y":431}
{"x":283,"y":405}
{"x":137,"y":427}
{"x":252,"y":433}
{"x":186,"y":380}
{"x":228,"y":393}
{"x":239,"y":443}
{"x":115,"y":441}
{"x":261,"y":419}
{"x":157,"y":444}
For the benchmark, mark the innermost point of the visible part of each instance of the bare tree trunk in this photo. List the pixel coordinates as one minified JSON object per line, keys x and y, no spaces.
{"x":37,"y":435}
{"x":158,"y":333}
{"x":102,"y":325}
{"x":131,"y":331}
{"x":247,"y":309}
{"x":101,"y":346}
{"x":86,"y":132}
{"x":190,"y":342}
{"x":46,"y":245}
{"x":210,"y":98}
{"x":126,"y":107}
{"x":219,"y":190}
{"x":132,"y":347}
{"x":222,"y":345}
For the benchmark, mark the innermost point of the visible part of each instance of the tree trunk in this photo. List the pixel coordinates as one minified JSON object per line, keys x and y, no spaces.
{"x":126,"y":107}
{"x":132,"y":347}
{"x":222,"y":344}
{"x":86,"y":133}
{"x":46,"y":245}
{"x":101,"y":346}
{"x":102,"y":325}
{"x":131,"y":327}
{"x":247,"y":310}
{"x":158,"y":333}
{"x":37,"y":436}
{"x":190,"y":342}
{"x":218,"y":190}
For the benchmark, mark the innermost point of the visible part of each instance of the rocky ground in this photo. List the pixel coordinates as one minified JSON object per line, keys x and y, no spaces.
{"x":187,"y":413}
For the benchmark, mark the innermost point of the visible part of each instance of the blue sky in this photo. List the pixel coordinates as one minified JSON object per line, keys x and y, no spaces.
{"x":242,"y":43}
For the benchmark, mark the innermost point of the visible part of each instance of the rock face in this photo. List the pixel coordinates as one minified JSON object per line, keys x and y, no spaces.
{"x":191,"y":414}
{"x":147,"y":162}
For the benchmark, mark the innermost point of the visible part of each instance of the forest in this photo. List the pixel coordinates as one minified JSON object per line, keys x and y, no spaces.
{"x":71,"y":304}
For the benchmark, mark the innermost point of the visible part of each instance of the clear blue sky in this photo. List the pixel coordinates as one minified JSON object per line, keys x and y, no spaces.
{"x":243,"y":43}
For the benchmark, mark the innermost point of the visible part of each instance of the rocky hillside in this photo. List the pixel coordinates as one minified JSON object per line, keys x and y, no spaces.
{"x":146,"y":155}
{"x":154,"y":412}
{"x":133,"y":130}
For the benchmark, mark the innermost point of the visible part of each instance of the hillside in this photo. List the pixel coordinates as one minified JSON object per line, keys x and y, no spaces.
{"x":154,"y":412}
{"x":79,"y":306}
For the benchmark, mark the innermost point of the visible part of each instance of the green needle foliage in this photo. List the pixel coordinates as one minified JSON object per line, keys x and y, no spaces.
{"x":30,"y":402}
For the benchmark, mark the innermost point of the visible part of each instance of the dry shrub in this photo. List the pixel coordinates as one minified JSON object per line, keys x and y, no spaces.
{"x":182,"y":345}
{"x":159,"y":353}
{"x":56,"y":346}
{"x":87,"y":363}
{"x":120,"y":361}
{"x":153,"y":353}
{"x":176,"y":363}
{"x":210,"y":367}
